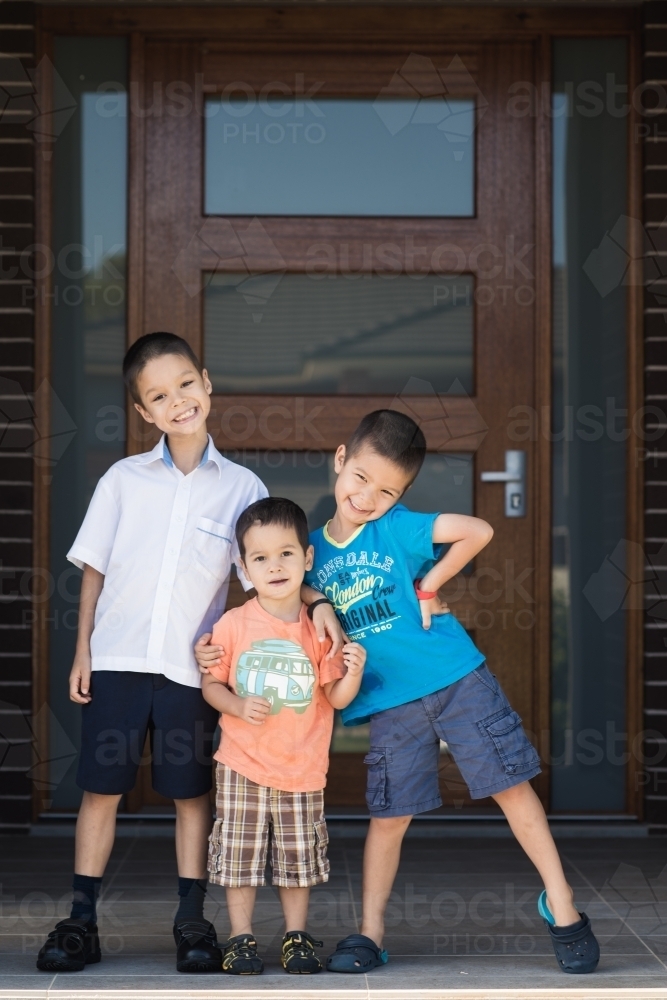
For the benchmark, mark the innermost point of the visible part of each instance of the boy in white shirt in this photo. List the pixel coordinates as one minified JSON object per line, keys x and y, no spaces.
{"x":156,"y":548}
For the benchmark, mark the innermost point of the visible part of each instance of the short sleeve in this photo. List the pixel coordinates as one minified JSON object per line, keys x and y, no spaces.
{"x":224,"y":634}
{"x":94,"y":543}
{"x":258,"y":492}
{"x":329,"y":670}
{"x":413,"y":532}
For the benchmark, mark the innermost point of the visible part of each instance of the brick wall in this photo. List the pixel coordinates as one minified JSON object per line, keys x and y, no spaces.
{"x":17,"y":47}
{"x":655,"y":359}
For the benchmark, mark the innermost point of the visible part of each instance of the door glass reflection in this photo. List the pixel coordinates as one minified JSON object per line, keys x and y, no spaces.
{"x":330,"y":334}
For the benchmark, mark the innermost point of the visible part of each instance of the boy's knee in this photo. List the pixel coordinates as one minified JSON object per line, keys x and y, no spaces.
{"x":514,"y":794}
{"x":98,"y":800}
{"x":196,"y":804}
{"x":391,"y":824}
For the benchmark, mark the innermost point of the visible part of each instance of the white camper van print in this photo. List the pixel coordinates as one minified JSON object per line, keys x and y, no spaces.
{"x":278,"y":670}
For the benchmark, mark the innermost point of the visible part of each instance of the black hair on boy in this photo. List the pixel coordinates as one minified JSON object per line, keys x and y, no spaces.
{"x":149,"y":347}
{"x":272,"y":510}
{"x":392,"y":435}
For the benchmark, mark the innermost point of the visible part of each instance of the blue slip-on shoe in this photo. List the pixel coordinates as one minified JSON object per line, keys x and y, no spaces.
{"x":356,"y":953}
{"x":575,"y":946}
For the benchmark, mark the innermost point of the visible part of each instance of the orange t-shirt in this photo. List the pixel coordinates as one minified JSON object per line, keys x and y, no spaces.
{"x":284,"y":663}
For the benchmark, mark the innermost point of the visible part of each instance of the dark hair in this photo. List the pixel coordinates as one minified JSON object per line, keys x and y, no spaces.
{"x":272,"y":510}
{"x":149,"y":347}
{"x":392,"y":435}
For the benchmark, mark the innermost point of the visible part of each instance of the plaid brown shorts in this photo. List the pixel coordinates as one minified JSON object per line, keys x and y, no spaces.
{"x":251,"y":816}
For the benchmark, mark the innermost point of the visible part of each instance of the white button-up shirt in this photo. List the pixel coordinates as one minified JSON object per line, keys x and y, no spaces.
{"x":165,"y":543}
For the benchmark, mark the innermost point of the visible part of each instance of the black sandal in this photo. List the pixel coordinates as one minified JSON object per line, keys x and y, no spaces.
{"x":298,"y":953}
{"x":356,"y":953}
{"x":240,"y":957}
{"x":576,"y":948}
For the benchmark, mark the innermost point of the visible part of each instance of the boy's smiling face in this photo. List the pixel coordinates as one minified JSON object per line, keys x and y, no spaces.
{"x":274,"y":561}
{"x":174,"y":396}
{"x":368,"y":485}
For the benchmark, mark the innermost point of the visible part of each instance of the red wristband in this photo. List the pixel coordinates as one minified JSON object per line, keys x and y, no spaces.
{"x":424,"y":595}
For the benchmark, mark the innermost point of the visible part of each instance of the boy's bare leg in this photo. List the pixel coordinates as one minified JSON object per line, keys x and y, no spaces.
{"x":241,"y":903}
{"x":382,"y":854}
{"x":295,"y":906}
{"x":528,"y":821}
{"x":194,"y":820}
{"x":95,"y":833}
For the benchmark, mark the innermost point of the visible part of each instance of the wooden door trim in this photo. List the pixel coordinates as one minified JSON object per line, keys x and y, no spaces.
{"x":541,"y":478}
{"x":275,"y":422}
{"x":267,"y":26}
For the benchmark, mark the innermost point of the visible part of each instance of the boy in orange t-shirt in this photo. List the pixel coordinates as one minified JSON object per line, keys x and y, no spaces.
{"x":276,"y":689}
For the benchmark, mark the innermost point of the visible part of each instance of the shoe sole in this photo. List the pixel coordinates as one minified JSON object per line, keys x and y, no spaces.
{"x":58,"y":965}
{"x":198,"y":967}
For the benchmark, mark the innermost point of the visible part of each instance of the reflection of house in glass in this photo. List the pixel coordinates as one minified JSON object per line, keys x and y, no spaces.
{"x":323,"y":333}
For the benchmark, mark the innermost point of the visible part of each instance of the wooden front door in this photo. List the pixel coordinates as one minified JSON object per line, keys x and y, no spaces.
{"x":180,"y":256}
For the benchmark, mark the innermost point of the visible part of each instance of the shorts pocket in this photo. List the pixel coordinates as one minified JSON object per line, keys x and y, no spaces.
{"x":321,"y":846}
{"x":215,"y":848}
{"x":485,"y":677}
{"x":516,"y":753}
{"x":376,"y":783}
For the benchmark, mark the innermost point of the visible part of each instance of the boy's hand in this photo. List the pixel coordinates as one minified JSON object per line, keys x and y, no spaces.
{"x":354,"y":656}
{"x":79,"y":679}
{"x":434,"y":606}
{"x":254,"y":710}
{"x":326,"y":623}
{"x":206,"y":655}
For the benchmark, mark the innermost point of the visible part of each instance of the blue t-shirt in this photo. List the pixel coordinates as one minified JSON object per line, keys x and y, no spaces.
{"x":370,"y":581}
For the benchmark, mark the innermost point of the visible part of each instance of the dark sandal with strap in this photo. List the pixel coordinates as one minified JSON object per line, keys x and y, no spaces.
{"x":240,"y":958}
{"x":298,"y":953}
{"x":576,"y":947}
{"x":356,"y":953}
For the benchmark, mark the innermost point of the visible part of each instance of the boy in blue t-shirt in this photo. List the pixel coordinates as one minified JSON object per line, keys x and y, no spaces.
{"x":381,"y":566}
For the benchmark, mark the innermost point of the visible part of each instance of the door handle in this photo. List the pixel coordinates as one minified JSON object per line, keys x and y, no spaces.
{"x":514,"y":478}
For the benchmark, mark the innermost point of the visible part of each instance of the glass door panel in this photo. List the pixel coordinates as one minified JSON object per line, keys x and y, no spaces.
{"x":327,"y":156}
{"x":320,"y":333}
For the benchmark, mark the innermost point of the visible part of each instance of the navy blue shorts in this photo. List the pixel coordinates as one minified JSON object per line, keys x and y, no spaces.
{"x":125,"y":706}
{"x":484,"y":735}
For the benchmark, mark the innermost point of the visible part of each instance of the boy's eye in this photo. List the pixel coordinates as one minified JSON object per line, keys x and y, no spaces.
{"x":287,"y":552}
{"x":157,"y":399}
{"x":184,"y":385}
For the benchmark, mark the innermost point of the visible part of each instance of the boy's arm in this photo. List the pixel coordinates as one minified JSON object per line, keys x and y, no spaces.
{"x":341,"y":692}
{"x":467,"y":537}
{"x":324,"y":620}
{"x":79,"y":678}
{"x":253,"y":709}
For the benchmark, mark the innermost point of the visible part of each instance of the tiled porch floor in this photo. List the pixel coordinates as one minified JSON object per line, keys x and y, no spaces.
{"x":462,"y":919}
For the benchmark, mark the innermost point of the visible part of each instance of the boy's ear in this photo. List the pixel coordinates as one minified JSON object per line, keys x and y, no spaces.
{"x":310,"y":555}
{"x":145,"y":414}
{"x":207,"y":382}
{"x":339,"y":457}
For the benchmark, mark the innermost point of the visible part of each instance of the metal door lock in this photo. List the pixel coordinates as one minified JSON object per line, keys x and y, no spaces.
{"x":514,"y":478}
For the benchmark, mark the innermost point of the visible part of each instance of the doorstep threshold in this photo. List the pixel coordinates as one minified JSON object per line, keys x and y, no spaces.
{"x":351,"y":993}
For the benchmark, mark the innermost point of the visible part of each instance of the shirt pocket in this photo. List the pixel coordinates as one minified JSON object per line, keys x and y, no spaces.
{"x":213,"y":547}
